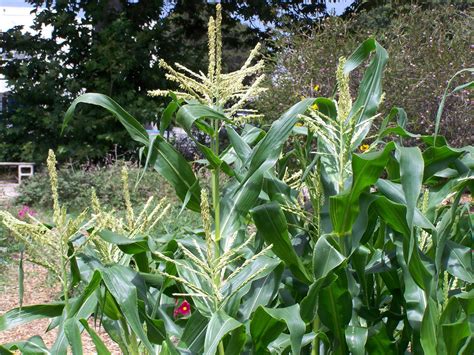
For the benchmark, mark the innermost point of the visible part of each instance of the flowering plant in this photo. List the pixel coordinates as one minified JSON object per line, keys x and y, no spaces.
{"x":184,"y":309}
{"x":26,"y":211}
{"x":318,"y":249}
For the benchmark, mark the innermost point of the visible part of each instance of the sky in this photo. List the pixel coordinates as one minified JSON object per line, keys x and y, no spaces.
{"x":17,"y":12}
{"x":13,"y":13}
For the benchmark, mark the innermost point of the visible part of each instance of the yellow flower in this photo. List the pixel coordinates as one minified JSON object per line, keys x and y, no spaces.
{"x":364,"y":148}
{"x":315,"y":107}
{"x":316,"y":87}
{"x":299,"y":124}
{"x":302,"y":97}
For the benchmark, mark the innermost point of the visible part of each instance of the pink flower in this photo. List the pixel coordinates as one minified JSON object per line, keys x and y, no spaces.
{"x":26,"y":211}
{"x":183,"y":310}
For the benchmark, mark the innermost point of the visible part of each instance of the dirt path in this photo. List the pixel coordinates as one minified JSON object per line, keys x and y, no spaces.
{"x":38,"y":289}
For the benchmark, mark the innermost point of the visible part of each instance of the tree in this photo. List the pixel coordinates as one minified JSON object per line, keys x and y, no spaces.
{"x":112,"y":47}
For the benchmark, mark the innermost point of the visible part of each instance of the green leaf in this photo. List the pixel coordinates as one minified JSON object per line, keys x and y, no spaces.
{"x":379,"y":342}
{"x":137,"y":245}
{"x":457,"y":324}
{"x":194,"y":333}
{"x":283,"y":342}
{"x":73,"y":334}
{"x":264,"y":329}
{"x":178,"y":172}
{"x":444,"y":230}
{"x":258,"y":268}
{"x":189,"y":114}
{"x":166,"y":160}
{"x":26,"y":314}
{"x":325,"y":258}
{"x":241,"y":148}
{"x":83,"y":306}
{"x":219,"y":326}
{"x":203,"y":304}
{"x":395,"y":193}
{"x":445,"y":95}
{"x":414,"y":297}
{"x":394,"y":214}
{"x":237,"y":202}
{"x":32,"y":346}
{"x":370,"y":88}
{"x":439,"y":158}
{"x":133,"y":127}
{"x":119,"y":282}
{"x":155,"y":329}
{"x":366,"y":168}
{"x":457,"y":260}
{"x":167,"y":115}
{"x":100,"y":347}
{"x":411,"y":176}
{"x":275,"y":317}
{"x":271,"y":224}
{"x":335,"y":310}
{"x":309,"y":304}
{"x":262,"y":292}
{"x":78,"y":303}
{"x":356,"y":337}
{"x":327,"y":107}
{"x":193,"y":115}
{"x":429,"y":325}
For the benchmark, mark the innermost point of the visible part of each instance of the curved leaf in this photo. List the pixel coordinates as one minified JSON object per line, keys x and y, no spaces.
{"x":335,"y":310}
{"x":268,"y":320}
{"x":264,"y":329}
{"x":73,"y":334}
{"x":366,"y":168}
{"x":219,"y":326}
{"x":194,"y":114}
{"x":167,"y":115}
{"x":325,"y":258}
{"x":370,"y":88}
{"x":26,"y":314}
{"x":119,"y":282}
{"x":33,"y":346}
{"x":271,"y":224}
{"x":356,"y":337}
{"x":100,"y":347}
{"x":166,"y":160}
{"x":457,"y":260}
{"x":194,"y":333}
{"x":262,"y":292}
{"x":237,"y":203}
{"x":136,"y":245}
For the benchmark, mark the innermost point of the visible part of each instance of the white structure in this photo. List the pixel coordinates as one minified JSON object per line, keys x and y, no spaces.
{"x":24,"y":169}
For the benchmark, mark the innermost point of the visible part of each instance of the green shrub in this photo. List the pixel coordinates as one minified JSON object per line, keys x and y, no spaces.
{"x":75,"y":187}
{"x":427,"y":46}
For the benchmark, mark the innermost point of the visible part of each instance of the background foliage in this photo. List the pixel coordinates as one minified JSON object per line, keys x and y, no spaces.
{"x":75,"y":185}
{"x":113,"y":47}
{"x":426,"y":44}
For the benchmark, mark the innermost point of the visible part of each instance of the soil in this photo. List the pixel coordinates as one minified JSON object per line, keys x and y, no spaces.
{"x":39,"y":288}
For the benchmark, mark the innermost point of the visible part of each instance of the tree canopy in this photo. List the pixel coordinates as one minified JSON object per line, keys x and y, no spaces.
{"x":113,"y":47}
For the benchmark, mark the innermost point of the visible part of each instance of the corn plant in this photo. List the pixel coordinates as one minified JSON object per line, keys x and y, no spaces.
{"x":345,"y":243}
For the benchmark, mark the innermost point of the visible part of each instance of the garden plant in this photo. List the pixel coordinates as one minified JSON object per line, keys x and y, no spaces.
{"x":318,"y":236}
